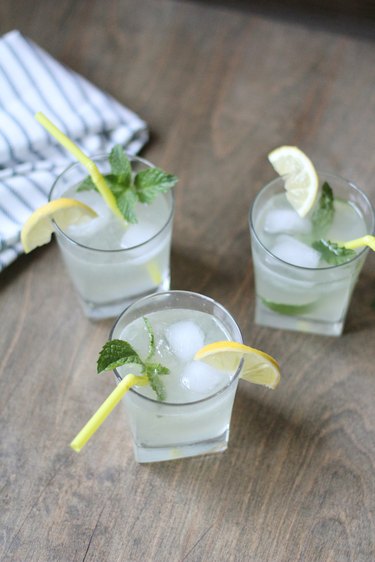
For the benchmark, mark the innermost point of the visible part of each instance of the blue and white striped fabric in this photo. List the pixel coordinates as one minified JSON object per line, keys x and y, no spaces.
{"x":30,"y":159}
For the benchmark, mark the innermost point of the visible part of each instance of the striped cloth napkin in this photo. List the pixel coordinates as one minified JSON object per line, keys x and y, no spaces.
{"x":30,"y":159}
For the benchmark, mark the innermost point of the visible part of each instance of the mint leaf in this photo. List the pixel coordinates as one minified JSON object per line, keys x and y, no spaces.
{"x":111,"y":180}
{"x":144,"y":187}
{"x":155,"y":383}
{"x":148,"y":183}
{"x":126,"y":202}
{"x":120,"y":166}
{"x":116,"y":353}
{"x":87,"y":184}
{"x":151,"y":336}
{"x":153,"y":370}
{"x":323,"y":215}
{"x":332,"y":253}
{"x":158,"y":369}
{"x":114,"y":185}
{"x":288,"y":309}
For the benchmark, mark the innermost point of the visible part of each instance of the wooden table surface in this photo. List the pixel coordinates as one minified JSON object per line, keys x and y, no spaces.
{"x":220,"y":86}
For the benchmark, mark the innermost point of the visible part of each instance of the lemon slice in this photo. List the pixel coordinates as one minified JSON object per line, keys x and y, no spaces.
{"x":258,"y":367}
{"x":38,"y":229}
{"x":301,"y":179}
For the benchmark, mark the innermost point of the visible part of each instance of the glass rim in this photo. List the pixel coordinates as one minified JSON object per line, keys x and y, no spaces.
{"x":300,"y":267}
{"x":188,"y":294}
{"x":117,"y":250}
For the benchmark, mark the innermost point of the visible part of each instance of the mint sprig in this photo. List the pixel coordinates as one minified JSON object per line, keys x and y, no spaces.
{"x":116,"y":353}
{"x":120,"y":165}
{"x":288,"y":309}
{"x":148,"y":183}
{"x":129,"y":188}
{"x":153,"y":372}
{"x":323,"y":215}
{"x":333,"y":253}
{"x":151,"y":338}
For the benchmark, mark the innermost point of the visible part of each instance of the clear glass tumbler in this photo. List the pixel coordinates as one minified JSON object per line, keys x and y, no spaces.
{"x":182,"y":427}
{"x":301,"y":298}
{"x":108,"y":280}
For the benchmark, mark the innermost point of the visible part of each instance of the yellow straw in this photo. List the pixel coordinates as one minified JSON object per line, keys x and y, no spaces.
{"x":105,"y":409}
{"x":90,"y":166}
{"x":97,"y":178}
{"x":367,"y":240}
{"x":154,"y":272}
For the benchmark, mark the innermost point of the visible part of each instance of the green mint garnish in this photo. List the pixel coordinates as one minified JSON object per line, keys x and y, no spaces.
{"x":87,"y":184}
{"x":148,"y":183}
{"x":129,"y":188}
{"x":120,"y":165}
{"x":151,"y":338}
{"x":288,"y":309}
{"x":333,"y":253}
{"x":126,"y":202}
{"x":153,"y":372}
{"x":323,"y":215}
{"x":116,"y":353}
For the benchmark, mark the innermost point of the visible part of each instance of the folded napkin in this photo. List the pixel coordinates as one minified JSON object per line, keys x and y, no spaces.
{"x":30,"y":159}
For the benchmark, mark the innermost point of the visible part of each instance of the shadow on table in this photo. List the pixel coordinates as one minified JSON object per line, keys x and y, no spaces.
{"x":20,"y":266}
{"x":266,"y":448}
{"x":338,"y":16}
{"x":361,"y":313}
{"x":211,"y":276}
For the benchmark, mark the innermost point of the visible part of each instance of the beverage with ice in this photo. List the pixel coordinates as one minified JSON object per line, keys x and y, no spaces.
{"x":177,"y":357}
{"x":111,"y":261}
{"x":190,"y":414}
{"x":303,"y":282}
{"x":112,"y":216}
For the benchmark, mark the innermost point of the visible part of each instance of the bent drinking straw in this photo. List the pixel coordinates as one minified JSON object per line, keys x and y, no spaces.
{"x":96,"y":177}
{"x":367,"y":240}
{"x":105,"y":409}
{"x":90,"y":166}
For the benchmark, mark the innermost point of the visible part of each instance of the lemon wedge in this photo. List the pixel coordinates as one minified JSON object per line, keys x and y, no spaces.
{"x":38,"y":229}
{"x":258,"y":367}
{"x":301,"y":179}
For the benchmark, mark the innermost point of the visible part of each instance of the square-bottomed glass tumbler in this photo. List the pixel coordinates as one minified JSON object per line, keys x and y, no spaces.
{"x":112,"y":264}
{"x":295,"y":297}
{"x":195,"y":417}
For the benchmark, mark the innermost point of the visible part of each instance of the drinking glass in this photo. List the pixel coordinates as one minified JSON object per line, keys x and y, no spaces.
{"x":293,"y":297}
{"x":108,"y":280}
{"x":182,"y":427}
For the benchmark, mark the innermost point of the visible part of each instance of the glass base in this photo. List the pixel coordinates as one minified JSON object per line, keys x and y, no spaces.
{"x":266,"y":317}
{"x":144,"y":454}
{"x":100,"y":311}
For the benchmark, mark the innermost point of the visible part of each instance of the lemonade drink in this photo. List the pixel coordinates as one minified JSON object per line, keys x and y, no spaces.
{"x":195,"y":416}
{"x":296,"y":288}
{"x":112,"y":263}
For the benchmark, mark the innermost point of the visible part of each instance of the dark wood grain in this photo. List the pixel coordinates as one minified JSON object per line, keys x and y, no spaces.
{"x":220,"y":86}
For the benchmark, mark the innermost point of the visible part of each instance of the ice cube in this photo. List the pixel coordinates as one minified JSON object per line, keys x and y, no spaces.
{"x":201,"y":378}
{"x":295,"y":252}
{"x":185,"y":338}
{"x":286,"y":220}
{"x":88,"y":229}
{"x":137,"y":233}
